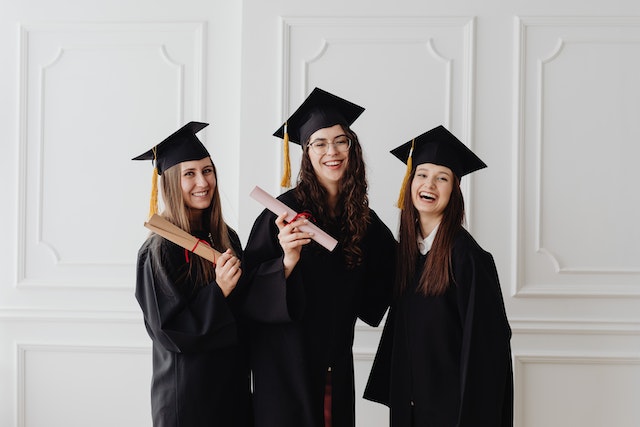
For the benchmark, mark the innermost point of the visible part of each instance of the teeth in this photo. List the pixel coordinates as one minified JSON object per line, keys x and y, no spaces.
{"x":429,"y":196}
{"x":336,"y":163}
{"x":202,"y":193}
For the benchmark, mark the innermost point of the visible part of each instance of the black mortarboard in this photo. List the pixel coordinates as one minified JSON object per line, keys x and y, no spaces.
{"x":320,"y":110}
{"x":440,"y":147}
{"x":181,"y":146}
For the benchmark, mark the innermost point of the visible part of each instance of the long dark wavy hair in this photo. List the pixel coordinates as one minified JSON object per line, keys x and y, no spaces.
{"x":200,"y":271}
{"x":436,"y":275}
{"x":353,"y":201}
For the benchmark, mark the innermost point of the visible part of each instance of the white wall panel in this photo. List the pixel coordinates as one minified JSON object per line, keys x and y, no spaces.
{"x":579,"y":98}
{"x":581,"y":392}
{"x":91,"y":92}
{"x":63,"y":385}
{"x":550,"y":102}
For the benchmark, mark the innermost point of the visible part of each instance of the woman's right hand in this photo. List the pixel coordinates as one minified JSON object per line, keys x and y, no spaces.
{"x":228,"y":272}
{"x":292,"y":240}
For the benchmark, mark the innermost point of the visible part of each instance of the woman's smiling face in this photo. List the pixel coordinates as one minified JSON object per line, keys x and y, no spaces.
{"x":330,"y":166}
{"x":431,"y":190}
{"x":198,"y":182}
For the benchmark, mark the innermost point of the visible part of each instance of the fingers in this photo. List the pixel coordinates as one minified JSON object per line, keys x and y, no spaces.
{"x":228,"y":265}
{"x":290,"y":236}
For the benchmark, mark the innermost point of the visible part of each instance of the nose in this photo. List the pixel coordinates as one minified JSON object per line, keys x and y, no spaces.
{"x":331,"y":147}
{"x":201,"y":180}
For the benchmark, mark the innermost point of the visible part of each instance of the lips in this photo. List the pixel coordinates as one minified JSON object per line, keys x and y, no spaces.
{"x":333,"y":163}
{"x":200,"y":194}
{"x":427,"y":196}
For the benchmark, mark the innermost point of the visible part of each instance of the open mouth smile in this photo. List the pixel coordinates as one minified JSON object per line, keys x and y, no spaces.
{"x":427,"y":196}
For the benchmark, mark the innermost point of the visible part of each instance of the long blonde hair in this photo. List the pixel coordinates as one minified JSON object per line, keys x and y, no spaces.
{"x":201,"y":271}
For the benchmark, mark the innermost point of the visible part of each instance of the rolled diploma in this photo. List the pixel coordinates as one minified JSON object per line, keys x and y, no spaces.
{"x":277,"y":207}
{"x":180,"y":237}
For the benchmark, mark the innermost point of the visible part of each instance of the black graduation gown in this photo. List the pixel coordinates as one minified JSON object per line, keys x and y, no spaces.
{"x":446,"y":360}
{"x":200,"y":354}
{"x":305,"y":324}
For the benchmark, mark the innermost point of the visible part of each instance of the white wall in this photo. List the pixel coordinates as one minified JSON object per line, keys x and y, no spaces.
{"x":545,"y":92}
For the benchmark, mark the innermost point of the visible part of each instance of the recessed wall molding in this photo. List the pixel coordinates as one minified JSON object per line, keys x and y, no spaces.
{"x":569,"y":246}
{"x":432,"y":56}
{"x":22,"y":314}
{"x":112,"y":69}
{"x":28,"y":393}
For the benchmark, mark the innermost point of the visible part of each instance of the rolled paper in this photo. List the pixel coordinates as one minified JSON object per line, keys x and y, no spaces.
{"x":177,"y":235}
{"x":278,"y":208}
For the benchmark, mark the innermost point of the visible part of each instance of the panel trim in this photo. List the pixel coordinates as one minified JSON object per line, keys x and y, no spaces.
{"x":551,"y":326}
{"x":518,"y":287}
{"x":197,"y":30}
{"x":465,"y":23}
{"x":9,"y":314}
{"x":521,"y":359}
{"x":21,"y":350}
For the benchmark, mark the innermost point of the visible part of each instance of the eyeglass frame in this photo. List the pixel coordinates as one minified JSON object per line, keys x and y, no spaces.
{"x":312,"y":145}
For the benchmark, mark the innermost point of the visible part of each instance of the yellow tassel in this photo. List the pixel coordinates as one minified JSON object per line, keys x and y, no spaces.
{"x":153,"y":203}
{"x":405,"y":180}
{"x":286,"y":177}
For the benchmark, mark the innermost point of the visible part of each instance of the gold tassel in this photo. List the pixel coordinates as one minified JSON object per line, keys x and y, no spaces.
{"x":286,"y":177}
{"x":153,"y":202}
{"x":405,"y":180}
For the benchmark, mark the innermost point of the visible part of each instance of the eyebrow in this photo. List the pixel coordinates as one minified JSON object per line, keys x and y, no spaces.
{"x":195,"y":169}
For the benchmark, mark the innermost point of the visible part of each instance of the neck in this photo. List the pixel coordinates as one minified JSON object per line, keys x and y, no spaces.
{"x":332,"y":197}
{"x":195,"y":219}
{"x":428,"y":224}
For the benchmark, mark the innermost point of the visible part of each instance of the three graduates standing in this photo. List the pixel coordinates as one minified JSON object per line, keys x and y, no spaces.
{"x":444,"y":357}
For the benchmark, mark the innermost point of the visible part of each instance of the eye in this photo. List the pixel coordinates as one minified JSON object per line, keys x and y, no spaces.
{"x":341,"y":142}
{"x":320,"y":145}
{"x":443,"y":178}
{"x":207,"y":171}
{"x":188,"y":173}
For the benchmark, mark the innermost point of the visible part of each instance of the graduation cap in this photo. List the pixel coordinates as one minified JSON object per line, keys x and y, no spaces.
{"x":320,"y":110}
{"x":181,"y":146}
{"x":440,"y":147}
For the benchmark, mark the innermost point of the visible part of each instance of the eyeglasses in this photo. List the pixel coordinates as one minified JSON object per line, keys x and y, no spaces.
{"x":340,"y":144}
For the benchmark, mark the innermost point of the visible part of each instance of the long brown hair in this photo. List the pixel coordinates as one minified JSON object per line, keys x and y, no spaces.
{"x":436,"y":274}
{"x":352,"y":200}
{"x":176,"y":211}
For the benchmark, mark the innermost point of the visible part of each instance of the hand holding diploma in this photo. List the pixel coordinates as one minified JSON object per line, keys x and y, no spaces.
{"x":279,"y":208}
{"x":180,"y":237}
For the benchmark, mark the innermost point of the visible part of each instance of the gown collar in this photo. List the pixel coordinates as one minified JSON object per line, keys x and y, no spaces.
{"x":424,"y":245}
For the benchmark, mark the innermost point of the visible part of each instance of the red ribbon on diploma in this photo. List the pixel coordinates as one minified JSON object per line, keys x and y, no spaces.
{"x":277,"y":207}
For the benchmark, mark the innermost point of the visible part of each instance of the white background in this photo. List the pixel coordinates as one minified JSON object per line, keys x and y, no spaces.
{"x":545,"y":92}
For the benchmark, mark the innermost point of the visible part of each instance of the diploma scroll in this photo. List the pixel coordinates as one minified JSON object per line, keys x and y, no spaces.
{"x":278,"y":208}
{"x":180,"y":237}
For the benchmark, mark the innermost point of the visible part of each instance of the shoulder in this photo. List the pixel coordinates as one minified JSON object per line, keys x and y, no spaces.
{"x":377,"y":227}
{"x":151,"y":246}
{"x":235,"y":239}
{"x":289,"y":198}
{"x":464,"y":241}
{"x":465,"y":247}
{"x":159,"y":253}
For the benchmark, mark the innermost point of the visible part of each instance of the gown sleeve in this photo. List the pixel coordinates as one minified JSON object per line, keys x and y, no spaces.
{"x":379,"y":382}
{"x":486,"y":370}
{"x":380,"y":246}
{"x":184,"y":319}
{"x":270,"y":297}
